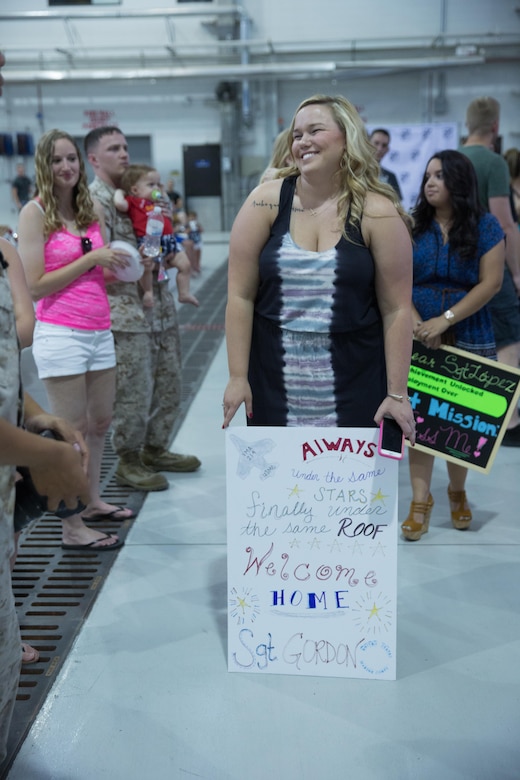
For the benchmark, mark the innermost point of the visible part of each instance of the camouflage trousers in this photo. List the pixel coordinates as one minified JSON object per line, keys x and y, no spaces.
{"x":10,"y":642}
{"x":148,"y":389}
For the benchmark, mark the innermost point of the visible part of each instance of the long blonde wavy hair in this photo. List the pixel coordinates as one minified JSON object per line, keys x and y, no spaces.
{"x":81,"y":199}
{"x":358,"y":173}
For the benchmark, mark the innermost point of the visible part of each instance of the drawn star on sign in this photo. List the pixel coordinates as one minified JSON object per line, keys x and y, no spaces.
{"x":243,"y":605}
{"x":295,"y":491}
{"x":379,"y":496}
{"x":373,"y":616}
{"x":374,"y":612}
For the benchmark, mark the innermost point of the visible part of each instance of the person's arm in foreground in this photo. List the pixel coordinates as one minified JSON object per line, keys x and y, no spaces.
{"x":22,"y":303}
{"x":389,"y":241}
{"x":57,"y":467}
{"x":248,"y":236}
{"x":37,"y":420}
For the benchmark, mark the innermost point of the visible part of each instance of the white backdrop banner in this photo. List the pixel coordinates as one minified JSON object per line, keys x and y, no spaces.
{"x":411,"y":146}
{"x":312,"y":552}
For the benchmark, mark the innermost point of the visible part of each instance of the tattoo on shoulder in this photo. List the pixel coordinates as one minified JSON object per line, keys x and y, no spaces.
{"x":264,"y":204}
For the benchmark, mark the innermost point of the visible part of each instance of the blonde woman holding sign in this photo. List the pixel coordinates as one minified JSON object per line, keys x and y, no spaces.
{"x":318,"y":321}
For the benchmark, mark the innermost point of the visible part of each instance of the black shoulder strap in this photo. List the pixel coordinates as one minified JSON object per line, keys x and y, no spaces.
{"x":286,"y":199}
{"x":287,"y":191}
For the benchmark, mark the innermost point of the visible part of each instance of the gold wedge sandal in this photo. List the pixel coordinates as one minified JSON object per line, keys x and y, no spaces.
{"x":413,"y":530}
{"x":460,"y":517}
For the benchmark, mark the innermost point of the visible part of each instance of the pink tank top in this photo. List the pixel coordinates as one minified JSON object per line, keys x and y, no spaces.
{"x":83,"y":303}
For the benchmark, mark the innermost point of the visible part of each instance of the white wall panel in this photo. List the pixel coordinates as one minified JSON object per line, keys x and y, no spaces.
{"x":308,"y":20}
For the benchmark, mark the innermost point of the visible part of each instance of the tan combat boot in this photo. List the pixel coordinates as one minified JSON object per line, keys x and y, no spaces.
{"x":132,"y":472}
{"x":159,"y":459}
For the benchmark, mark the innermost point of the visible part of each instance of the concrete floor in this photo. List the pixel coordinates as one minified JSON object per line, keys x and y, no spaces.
{"x":145,"y":692}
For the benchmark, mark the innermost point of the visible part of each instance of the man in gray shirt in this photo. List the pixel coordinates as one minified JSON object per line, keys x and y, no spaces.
{"x":482,"y":118}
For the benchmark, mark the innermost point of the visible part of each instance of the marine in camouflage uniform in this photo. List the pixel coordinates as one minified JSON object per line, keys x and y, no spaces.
{"x":10,"y":410}
{"x":148,"y":382}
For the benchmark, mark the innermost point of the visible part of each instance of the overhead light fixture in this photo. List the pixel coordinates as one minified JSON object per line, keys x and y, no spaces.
{"x":468,"y":50}
{"x":309,"y":69}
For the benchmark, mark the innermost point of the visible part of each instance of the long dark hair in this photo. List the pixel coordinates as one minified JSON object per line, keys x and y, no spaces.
{"x":461,"y":182}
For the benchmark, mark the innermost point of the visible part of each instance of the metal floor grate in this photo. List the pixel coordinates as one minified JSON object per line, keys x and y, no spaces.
{"x":55,"y":589}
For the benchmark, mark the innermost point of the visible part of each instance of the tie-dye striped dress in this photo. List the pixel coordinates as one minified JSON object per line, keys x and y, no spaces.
{"x":317,"y":354}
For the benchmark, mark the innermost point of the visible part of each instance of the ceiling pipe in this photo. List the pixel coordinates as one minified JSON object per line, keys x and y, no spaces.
{"x":216,"y":71}
{"x":252,"y":71}
{"x":260,"y":47}
{"x":108,"y":13}
{"x":415,"y":63}
{"x":247,"y":117}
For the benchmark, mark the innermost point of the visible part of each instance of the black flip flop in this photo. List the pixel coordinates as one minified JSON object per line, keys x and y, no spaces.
{"x":92,"y":545}
{"x":111,"y":515}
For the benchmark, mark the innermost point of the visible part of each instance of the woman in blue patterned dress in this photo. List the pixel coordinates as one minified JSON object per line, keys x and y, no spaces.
{"x":458,"y":264}
{"x":318,"y":321}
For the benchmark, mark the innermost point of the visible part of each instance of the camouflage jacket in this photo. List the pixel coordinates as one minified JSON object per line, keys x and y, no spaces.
{"x":126,"y":310}
{"x":10,"y":402}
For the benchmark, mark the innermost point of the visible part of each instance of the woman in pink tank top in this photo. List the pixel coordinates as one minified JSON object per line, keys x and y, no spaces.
{"x":63,"y":246}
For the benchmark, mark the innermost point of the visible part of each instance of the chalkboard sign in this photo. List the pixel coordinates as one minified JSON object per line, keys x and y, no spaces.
{"x":312,"y":552}
{"x":462,"y":404}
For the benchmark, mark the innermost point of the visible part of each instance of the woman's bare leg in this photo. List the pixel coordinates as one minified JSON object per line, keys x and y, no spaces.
{"x":421,"y":470}
{"x":68,"y":398}
{"x":457,"y":475}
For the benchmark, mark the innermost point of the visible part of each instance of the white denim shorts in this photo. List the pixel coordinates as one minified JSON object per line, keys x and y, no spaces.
{"x":61,"y":351}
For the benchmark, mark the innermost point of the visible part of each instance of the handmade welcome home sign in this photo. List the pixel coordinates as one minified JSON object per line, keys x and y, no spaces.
{"x":462,"y":404}
{"x":312,"y":552}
